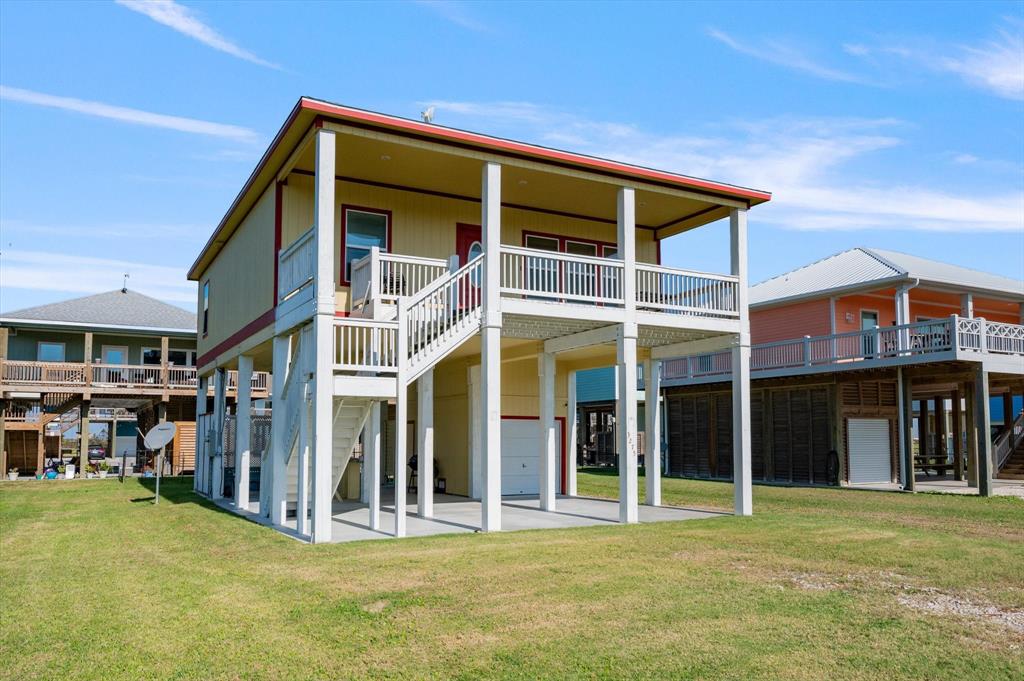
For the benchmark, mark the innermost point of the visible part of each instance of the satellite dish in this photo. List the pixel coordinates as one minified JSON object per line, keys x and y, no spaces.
{"x":159,"y":435}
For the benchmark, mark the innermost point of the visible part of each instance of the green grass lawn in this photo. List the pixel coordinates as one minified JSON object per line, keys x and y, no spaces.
{"x":97,"y":583}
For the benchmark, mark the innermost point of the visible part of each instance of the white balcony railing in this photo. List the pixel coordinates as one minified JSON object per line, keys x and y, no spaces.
{"x":664,"y":289}
{"x":385,"y":277}
{"x":959,"y":337}
{"x":296,"y":265}
{"x":365,"y":345}
{"x":549,"y":275}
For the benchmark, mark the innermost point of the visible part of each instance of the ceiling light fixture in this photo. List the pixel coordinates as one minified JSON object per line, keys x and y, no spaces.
{"x":385,"y":157}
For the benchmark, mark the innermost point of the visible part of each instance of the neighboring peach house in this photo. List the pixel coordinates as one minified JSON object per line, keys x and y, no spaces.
{"x":390,"y":271}
{"x":867,"y":364}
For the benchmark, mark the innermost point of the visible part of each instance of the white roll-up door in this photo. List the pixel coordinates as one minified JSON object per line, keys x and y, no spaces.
{"x":869,"y":450}
{"x":520,"y":455}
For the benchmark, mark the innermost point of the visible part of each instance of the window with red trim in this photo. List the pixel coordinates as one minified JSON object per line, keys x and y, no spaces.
{"x":362,"y":229}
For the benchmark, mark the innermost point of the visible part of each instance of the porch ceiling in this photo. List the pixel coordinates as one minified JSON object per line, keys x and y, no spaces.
{"x":395,"y":164}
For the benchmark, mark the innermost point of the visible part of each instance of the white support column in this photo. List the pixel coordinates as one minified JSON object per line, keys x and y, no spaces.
{"x":625,"y":403}
{"x":322,"y":453}
{"x":966,"y":305}
{"x":372,"y":457}
{"x":425,"y":444}
{"x":302,"y":464}
{"x":903,"y":317}
{"x":652,"y":431}
{"x":626,"y":429}
{"x":982,"y":431}
{"x":219,"y":411}
{"x":401,"y":454}
{"x":279,"y":449}
{"x":742,"y":472}
{"x":490,"y":350}
{"x":199,"y":479}
{"x":243,"y":423}
{"x":323,"y":431}
{"x":572,"y":424}
{"x":548,"y":468}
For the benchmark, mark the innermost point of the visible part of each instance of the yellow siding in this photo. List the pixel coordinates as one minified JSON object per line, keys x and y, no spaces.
{"x":425,"y":225}
{"x":241,"y":276}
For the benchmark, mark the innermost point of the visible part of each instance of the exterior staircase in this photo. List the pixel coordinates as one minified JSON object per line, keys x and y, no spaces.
{"x":350,"y":414}
{"x":1008,"y":449}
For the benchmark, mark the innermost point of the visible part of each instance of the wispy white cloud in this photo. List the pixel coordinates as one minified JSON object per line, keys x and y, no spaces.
{"x":51,"y":271}
{"x":127,"y":115}
{"x":805,"y":162}
{"x":456,"y":13}
{"x":185,"y":21}
{"x":995,"y":66}
{"x":114,"y":230}
{"x":787,"y":55}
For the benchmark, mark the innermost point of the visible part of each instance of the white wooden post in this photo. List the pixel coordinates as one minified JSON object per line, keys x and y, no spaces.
{"x":572,"y":423}
{"x":967,"y":305}
{"x":243,"y":421}
{"x":549,"y":449}
{"x":807,"y":351}
{"x":652,"y":431}
{"x":372,"y":457}
{"x":375,"y":277}
{"x":401,"y":418}
{"x":625,"y":404}
{"x":626,"y":430}
{"x":219,"y":409}
{"x":490,"y":350}
{"x":742,"y":473}
{"x":982,"y":335}
{"x":425,"y":444}
{"x":199,"y":476}
{"x":302,"y":479}
{"x":982,"y":430}
{"x":323,"y":344}
{"x":902,"y":319}
{"x":279,"y":449}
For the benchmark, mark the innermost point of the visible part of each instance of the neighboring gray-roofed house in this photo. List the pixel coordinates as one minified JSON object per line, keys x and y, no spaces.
{"x":861,"y":267}
{"x":122,"y":309}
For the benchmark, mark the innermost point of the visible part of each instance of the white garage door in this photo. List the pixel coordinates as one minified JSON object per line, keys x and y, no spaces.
{"x":520,"y":455}
{"x":869,"y":450}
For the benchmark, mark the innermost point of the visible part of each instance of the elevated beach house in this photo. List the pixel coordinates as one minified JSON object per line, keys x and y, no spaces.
{"x":121,"y":359}
{"x":417,"y":290}
{"x":890,"y":362}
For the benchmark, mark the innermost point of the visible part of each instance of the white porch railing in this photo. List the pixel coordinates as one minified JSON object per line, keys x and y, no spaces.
{"x":561,"y":277}
{"x":296,"y":265}
{"x":441,"y":316}
{"x":664,"y":289}
{"x":919,"y":339}
{"x":16,"y":372}
{"x":386,"y":277}
{"x":365,"y":345}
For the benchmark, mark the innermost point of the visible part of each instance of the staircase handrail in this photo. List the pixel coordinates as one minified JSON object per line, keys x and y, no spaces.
{"x":1006,"y":443}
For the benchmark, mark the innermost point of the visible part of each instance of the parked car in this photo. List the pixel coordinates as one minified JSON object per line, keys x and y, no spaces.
{"x":97,"y":453}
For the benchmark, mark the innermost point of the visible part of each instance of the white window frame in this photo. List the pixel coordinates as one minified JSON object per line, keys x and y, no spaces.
{"x":189,"y":352}
{"x":103,"y":354}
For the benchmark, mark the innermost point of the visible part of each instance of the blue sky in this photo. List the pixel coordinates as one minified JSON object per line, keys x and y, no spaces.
{"x":126,"y":128}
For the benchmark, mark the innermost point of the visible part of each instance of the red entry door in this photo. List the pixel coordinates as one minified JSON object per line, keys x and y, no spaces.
{"x":468,"y":245}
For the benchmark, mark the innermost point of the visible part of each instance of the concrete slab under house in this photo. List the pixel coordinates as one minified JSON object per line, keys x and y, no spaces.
{"x":422,"y":298}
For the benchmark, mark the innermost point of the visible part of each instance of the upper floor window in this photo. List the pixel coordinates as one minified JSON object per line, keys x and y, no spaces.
{"x":50,"y":352}
{"x":362,"y":229}
{"x":206,"y":306}
{"x":178,"y":358}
